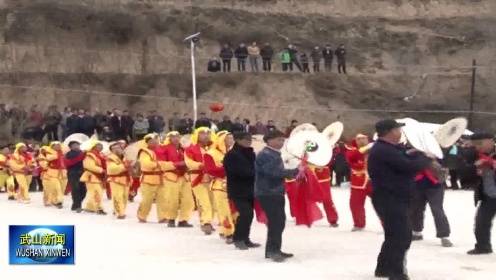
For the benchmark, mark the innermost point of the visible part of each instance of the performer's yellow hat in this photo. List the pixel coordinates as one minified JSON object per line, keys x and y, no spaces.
{"x":55,"y":143}
{"x":219,"y":141}
{"x":18,"y":146}
{"x":150,"y":136}
{"x":168,"y":135}
{"x":93,"y":144}
{"x":194,"y":137}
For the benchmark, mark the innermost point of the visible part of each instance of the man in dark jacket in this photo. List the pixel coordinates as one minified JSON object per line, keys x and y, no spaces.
{"x":226,"y":54}
{"x":213,"y":65}
{"x":239,"y":164}
{"x":203,"y":121}
{"x":485,"y":193}
{"x":392,"y":170}
{"x":327,"y":55}
{"x":270,"y":191}
{"x":74,"y":163}
{"x":225,"y":124}
{"x":118,"y":125}
{"x":316,"y":57}
{"x":241,"y":54}
{"x":341,"y":55}
{"x":238,"y":126}
{"x":267,"y":52}
{"x":86,"y":124}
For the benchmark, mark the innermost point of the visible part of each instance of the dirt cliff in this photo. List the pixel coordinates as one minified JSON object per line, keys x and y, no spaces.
{"x":402,"y":56}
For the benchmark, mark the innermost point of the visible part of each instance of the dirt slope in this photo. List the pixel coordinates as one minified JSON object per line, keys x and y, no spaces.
{"x":396,"y":49}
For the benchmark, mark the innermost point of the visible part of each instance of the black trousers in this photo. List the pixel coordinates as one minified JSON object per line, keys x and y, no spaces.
{"x":287,"y":66}
{"x":316,"y":67}
{"x":435,"y":198}
{"x":267,"y":65}
{"x":52,"y":132}
{"x":328,"y":64}
{"x":342,"y":67}
{"x":453,"y":173}
{"x":245,"y":209}
{"x":397,"y":233}
{"x":36,"y":184}
{"x":78,"y":189}
{"x":342,"y":176}
{"x":305,"y":68}
{"x":241,"y":64}
{"x":273,"y":206}
{"x":483,"y":224}
{"x":226,"y":65}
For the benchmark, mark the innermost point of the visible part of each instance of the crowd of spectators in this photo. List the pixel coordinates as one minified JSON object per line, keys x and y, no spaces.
{"x":289,"y":58}
{"x":53,"y":124}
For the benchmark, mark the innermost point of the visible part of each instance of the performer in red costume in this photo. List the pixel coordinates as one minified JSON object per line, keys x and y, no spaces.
{"x":356,"y":155}
{"x":324,"y":179}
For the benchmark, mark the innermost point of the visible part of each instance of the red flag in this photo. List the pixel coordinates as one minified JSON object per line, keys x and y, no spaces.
{"x":309,"y":193}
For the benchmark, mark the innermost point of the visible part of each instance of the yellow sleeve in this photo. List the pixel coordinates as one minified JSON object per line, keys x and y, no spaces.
{"x":364,"y":149}
{"x":89,"y":164}
{"x":191,"y":164}
{"x":43,"y":163}
{"x":146,"y":162}
{"x":115,"y":169}
{"x":166,"y":165}
{"x":51,"y":157}
{"x":16,"y":165}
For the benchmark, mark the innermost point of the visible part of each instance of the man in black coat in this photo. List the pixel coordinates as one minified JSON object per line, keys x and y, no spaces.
{"x":74,"y":163}
{"x":239,"y":164}
{"x":392,"y":171}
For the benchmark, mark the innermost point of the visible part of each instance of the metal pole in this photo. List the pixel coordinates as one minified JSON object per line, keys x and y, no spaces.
{"x":472,"y":93}
{"x":193,"y":78}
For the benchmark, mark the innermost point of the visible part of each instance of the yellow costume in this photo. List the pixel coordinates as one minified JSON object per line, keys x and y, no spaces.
{"x":120,"y":181}
{"x":47,"y":189}
{"x":22,"y":166}
{"x":56,"y":174}
{"x":213,"y":165}
{"x":152,"y":184}
{"x":179,"y":189}
{"x":94,"y":178}
{"x":200,"y":181}
{"x":4,"y":171}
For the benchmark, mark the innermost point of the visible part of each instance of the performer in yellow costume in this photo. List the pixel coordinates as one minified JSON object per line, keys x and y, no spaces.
{"x":4,"y":167}
{"x":56,"y":173}
{"x":21,"y":165}
{"x":180,"y":204}
{"x":213,"y":166}
{"x":94,"y":178}
{"x":119,"y":179}
{"x":45,"y":180}
{"x":200,"y":181}
{"x":152,"y":181}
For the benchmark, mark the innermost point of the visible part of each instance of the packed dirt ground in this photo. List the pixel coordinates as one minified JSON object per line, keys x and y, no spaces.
{"x":403,"y":56}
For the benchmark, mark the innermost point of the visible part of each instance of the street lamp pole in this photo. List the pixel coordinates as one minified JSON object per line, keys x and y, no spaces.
{"x":193,"y":39}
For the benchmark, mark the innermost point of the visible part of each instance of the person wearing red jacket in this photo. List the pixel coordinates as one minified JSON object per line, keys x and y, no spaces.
{"x":356,"y":155}
{"x":324,"y":178}
{"x":181,"y":202}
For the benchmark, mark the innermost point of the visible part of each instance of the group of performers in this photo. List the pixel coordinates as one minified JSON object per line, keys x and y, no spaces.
{"x":178,"y":180}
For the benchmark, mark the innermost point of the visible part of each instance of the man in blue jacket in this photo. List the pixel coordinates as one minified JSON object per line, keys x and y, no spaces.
{"x":270,"y":192}
{"x":392,"y":170}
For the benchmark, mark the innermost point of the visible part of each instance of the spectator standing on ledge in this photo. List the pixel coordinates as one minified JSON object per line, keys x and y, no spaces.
{"x":140,"y":127}
{"x":213,"y":65}
{"x":316,"y":57}
{"x":288,"y":131}
{"x":267,"y":53}
{"x":226,"y":54}
{"x":254,"y":53}
{"x":293,"y":53}
{"x":341,"y":55}
{"x":285,"y":60}
{"x":327,"y":55}
{"x":241,"y":54}
{"x":304,"y":62}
